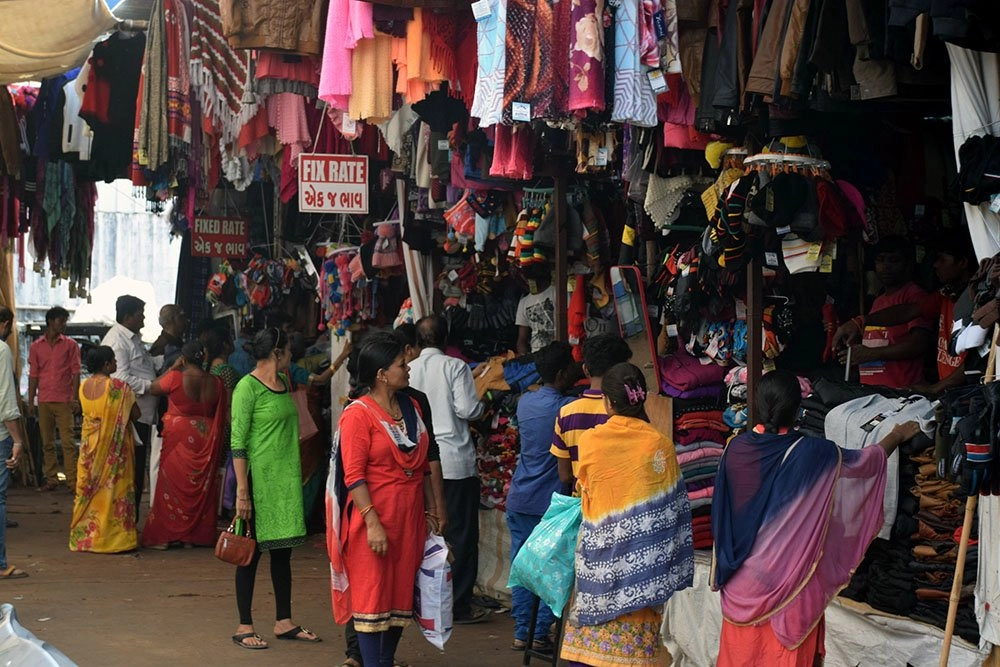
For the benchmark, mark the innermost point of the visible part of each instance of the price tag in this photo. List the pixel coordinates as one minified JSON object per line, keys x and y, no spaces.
{"x":771,"y":259}
{"x":741,"y":310}
{"x":768,"y":365}
{"x":660,"y":25}
{"x":814,"y":252}
{"x":995,"y":203}
{"x":657,"y":81}
{"x":521,"y":112}
{"x":348,"y":125}
{"x":672,"y":330}
{"x":602,"y":157}
{"x":781,"y":231}
{"x":453,"y":275}
{"x":481,"y":9}
{"x":826,"y":264}
{"x":919,"y":210}
{"x":443,"y":145}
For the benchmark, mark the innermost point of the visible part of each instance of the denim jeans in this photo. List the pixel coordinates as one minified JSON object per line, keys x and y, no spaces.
{"x":523,"y":600}
{"x":6,"y":451}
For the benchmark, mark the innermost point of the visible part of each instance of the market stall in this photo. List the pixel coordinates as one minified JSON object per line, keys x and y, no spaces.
{"x":650,"y":169}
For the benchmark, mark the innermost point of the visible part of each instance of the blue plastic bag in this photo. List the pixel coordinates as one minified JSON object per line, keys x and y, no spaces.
{"x":545,"y":564}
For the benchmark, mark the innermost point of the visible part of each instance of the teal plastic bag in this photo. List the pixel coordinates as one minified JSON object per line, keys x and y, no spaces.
{"x":545,"y":564}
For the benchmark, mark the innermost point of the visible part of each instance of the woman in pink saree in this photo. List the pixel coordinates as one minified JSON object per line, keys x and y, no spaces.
{"x":792,"y":517}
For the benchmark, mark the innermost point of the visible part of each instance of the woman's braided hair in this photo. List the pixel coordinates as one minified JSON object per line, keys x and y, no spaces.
{"x":778,"y":398}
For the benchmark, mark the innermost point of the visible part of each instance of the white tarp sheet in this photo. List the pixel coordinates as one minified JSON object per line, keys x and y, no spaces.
{"x":855,"y":633}
{"x":40,"y":38}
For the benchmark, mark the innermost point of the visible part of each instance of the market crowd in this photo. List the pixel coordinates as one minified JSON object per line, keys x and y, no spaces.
{"x":218,"y":418}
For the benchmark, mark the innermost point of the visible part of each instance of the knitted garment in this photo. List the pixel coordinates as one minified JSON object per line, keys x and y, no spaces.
{"x":418,"y":73}
{"x":219,"y":77}
{"x":372,"y":65}
{"x":152,"y":146}
{"x":529,"y":76}
{"x":286,"y":113}
{"x":336,"y":74}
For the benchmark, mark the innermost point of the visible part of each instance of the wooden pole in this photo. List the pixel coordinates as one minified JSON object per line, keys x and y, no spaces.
{"x":755,"y":334}
{"x":561,"y":279}
{"x":956,"y":585}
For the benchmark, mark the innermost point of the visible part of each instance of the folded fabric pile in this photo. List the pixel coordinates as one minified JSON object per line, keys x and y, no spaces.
{"x":700,"y":435}
{"x":688,"y":377}
{"x":935,"y":531}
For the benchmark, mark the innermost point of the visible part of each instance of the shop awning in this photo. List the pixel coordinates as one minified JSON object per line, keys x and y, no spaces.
{"x":41,"y":38}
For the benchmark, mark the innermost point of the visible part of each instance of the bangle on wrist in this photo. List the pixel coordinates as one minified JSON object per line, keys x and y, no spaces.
{"x":365,"y":510}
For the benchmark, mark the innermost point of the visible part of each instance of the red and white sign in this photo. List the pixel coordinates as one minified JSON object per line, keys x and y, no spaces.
{"x":219,"y":237}
{"x":333,"y":183}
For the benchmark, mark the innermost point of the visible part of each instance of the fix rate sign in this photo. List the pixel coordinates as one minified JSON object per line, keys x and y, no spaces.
{"x":333,"y":183}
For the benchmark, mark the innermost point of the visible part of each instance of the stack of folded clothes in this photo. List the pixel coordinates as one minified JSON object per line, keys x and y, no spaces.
{"x":699,"y":438}
{"x":940,"y":511}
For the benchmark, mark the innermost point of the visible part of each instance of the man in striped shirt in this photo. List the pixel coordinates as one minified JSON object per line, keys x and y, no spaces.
{"x":600,"y":353}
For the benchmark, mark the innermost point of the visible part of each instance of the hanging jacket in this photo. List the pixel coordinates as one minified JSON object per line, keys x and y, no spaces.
{"x":971,"y":24}
{"x":296,"y":26}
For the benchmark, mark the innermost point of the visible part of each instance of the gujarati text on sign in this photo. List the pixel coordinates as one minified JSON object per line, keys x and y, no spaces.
{"x":219,"y":237}
{"x":333,"y":183}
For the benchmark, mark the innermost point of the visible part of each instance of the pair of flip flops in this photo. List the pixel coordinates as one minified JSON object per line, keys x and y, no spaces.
{"x":292,"y":635}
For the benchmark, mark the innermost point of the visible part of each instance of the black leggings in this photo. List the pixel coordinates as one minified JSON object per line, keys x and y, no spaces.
{"x":281,"y":579}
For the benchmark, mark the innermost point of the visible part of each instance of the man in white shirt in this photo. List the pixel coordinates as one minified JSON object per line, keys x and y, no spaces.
{"x":11,"y":436}
{"x":536,"y":319}
{"x":135,"y":368}
{"x":451,"y":393}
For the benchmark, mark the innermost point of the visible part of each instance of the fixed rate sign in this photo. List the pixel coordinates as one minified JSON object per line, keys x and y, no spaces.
{"x":333,"y":183}
{"x":219,"y":237}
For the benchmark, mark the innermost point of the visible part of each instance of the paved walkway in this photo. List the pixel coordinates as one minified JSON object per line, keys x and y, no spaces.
{"x":177,"y":607}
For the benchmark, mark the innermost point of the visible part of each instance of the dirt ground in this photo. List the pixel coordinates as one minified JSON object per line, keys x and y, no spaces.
{"x":177,"y":607}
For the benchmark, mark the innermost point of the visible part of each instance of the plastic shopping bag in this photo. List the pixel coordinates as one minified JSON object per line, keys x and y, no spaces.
{"x":432,"y":602}
{"x":545,"y":564}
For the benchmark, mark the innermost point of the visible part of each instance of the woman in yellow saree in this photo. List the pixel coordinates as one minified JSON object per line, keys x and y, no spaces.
{"x":104,"y":512}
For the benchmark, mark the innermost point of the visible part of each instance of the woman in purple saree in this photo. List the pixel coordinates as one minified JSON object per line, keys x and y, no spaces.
{"x":792,"y":517}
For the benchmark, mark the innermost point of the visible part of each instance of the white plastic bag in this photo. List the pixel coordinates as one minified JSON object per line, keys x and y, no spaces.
{"x":432,"y":602}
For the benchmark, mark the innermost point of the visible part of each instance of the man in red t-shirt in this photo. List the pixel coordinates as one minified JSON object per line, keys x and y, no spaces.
{"x":892,"y":356}
{"x":953,"y":266}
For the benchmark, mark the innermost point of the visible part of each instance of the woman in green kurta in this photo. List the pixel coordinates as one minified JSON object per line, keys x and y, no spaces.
{"x":265,"y":446}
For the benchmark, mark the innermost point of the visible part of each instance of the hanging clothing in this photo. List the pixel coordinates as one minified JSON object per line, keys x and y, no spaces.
{"x":104,"y":512}
{"x":391,"y":460}
{"x":792,"y":517}
{"x":293,"y":25}
{"x":586,"y":84}
{"x":975,"y":101}
{"x":109,"y":105}
{"x":187,"y":487}
{"x":371,"y":99}
{"x":528,"y":77}
{"x":336,"y":74}
{"x":634,"y":102}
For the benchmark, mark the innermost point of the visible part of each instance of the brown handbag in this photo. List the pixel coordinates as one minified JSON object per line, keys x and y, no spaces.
{"x":234,"y":547}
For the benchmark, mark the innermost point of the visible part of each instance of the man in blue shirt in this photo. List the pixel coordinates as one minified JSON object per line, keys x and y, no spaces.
{"x":537,"y":476}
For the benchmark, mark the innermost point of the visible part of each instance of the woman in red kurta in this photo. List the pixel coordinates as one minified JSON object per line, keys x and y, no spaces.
{"x":187,"y":488}
{"x":383,"y":445}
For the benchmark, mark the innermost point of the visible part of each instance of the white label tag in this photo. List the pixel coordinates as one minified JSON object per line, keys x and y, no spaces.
{"x":781,"y":231}
{"x":348,"y":125}
{"x":919,"y":210}
{"x":443,"y":145}
{"x":481,"y":9}
{"x":521,"y":112}
{"x":672,"y":330}
{"x":771,"y":259}
{"x":602,"y":157}
{"x":995,"y":203}
{"x":657,"y":81}
{"x":453,"y":275}
{"x":741,"y":310}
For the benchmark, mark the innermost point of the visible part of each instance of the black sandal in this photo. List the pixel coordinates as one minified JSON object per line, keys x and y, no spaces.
{"x":238,"y":640}
{"x":293,"y":635}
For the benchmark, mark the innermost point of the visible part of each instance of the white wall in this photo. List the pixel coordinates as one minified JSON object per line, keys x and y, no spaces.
{"x":128,"y":241}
